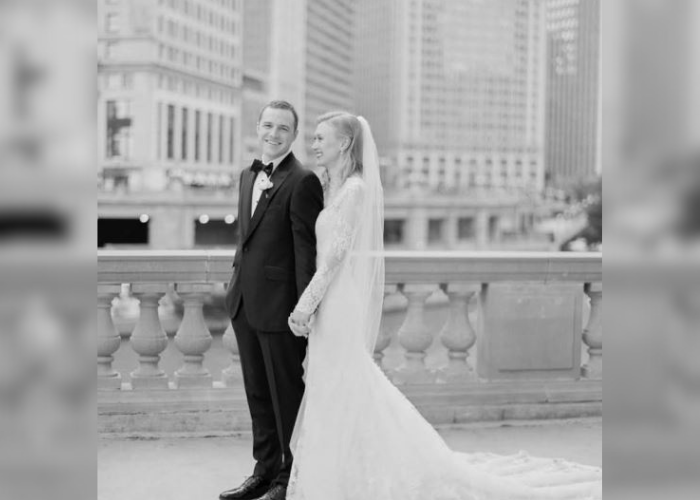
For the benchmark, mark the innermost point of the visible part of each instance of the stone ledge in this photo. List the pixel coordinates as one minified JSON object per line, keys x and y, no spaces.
{"x":223,"y":411}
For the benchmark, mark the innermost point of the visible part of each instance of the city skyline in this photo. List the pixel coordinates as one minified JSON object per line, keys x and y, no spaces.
{"x":455,"y":92}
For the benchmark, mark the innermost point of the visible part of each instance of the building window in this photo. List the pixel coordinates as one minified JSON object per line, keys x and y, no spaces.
{"x":197,"y":128}
{"x":112,"y":22}
{"x":435,"y":230}
{"x":221,"y":139}
{"x":119,"y":123}
{"x":393,"y":231}
{"x":230,"y":142}
{"x":210,"y":121}
{"x":170,"y":131}
{"x":183,"y":145}
{"x":465,"y":228}
{"x":493,"y":227}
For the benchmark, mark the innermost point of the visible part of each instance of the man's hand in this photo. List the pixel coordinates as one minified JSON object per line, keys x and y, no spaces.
{"x":299,"y":323}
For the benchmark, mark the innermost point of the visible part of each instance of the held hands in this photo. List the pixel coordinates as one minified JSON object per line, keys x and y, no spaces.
{"x":299,"y":323}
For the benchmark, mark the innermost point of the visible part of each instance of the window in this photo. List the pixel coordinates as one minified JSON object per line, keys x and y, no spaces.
{"x":493,"y":227}
{"x":112,"y":22}
{"x":435,"y":230}
{"x":210,"y":121}
{"x":230,"y":143}
{"x":119,"y":123}
{"x":221,"y":139}
{"x":170,"y":131}
{"x":183,"y":141}
{"x":197,"y":128}
{"x":465,"y":228}
{"x":393,"y":231}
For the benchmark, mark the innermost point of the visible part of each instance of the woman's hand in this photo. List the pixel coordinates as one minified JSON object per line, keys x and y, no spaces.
{"x":299,"y":323}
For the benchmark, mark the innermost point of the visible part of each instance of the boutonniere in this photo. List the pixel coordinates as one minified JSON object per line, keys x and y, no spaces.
{"x":264,"y":182}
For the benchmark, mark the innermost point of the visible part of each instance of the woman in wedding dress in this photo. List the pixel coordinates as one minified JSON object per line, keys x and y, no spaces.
{"x":356,"y":436}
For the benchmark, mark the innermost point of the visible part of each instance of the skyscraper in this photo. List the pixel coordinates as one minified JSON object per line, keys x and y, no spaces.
{"x":455,"y":91}
{"x":299,"y":51}
{"x":573,"y":89}
{"x":169,"y":80}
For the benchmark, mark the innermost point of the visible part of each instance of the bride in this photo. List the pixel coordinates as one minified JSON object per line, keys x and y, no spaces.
{"x":356,"y":436}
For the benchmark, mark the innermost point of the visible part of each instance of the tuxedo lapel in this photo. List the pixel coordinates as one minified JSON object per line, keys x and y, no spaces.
{"x":278,"y":177}
{"x":247,"y":199}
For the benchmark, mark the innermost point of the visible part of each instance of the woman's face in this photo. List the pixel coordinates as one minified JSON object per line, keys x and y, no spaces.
{"x":327,"y":145}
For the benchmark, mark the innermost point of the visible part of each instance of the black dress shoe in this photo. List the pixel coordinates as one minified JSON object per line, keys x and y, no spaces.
{"x":251,"y":488}
{"x":277,"y":492}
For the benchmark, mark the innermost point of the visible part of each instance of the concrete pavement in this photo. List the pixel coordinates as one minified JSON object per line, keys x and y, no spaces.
{"x":199,"y":468}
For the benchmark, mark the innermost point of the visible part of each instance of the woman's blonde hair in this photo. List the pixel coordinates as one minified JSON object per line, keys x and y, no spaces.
{"x":347,"y":125}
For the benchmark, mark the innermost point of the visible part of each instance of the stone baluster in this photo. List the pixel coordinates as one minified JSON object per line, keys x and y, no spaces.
{"x":384,"y":336}
{"x":593,"y":333}
{"x":108,"y":339}
{"x":415,"y":337}
{"x":148,"y":338}
{"x":193,"y":338}
{"x":232,"y":375}
{"x":458,"y":335}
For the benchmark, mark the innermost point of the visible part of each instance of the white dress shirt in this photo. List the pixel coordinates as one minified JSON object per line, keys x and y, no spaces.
{"x":257,"y":192}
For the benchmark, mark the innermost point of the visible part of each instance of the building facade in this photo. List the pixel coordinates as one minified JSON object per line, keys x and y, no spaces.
{"x":574,"y":90}
{"x":299,"y":51}
{"x":170,"y":79}
{"x":455,"y":90}
{"x":413,"y":221}
{"x":169,"y":93}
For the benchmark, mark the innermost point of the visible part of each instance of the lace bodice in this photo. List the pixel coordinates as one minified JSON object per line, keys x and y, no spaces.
{"x":336,"y":228}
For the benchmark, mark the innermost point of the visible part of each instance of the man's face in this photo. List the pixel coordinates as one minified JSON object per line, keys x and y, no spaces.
{"x":275,"y":132}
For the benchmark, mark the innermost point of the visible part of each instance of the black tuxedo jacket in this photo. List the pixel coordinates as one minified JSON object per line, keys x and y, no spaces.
{"x":276,"y":255}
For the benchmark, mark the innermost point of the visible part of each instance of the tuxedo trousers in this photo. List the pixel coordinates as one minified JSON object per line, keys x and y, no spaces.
{"x":272,"y":366}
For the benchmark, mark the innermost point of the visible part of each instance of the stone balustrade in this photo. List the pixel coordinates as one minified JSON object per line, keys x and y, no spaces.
{"x":521,"y":336}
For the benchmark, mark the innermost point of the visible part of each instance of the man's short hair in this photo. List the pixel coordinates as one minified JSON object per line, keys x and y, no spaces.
{"x":281,"y":105}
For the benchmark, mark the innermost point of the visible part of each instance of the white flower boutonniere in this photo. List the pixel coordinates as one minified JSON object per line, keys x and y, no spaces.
{"x":264,"y":182}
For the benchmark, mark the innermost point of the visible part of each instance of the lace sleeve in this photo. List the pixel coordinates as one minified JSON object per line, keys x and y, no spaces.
{"x":345,"y":222}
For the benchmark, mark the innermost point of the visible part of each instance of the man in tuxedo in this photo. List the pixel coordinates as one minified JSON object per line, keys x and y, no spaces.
{"x":279,"y":201}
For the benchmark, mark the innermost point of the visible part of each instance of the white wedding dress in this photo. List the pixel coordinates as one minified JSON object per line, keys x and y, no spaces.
{"x":358,"y":438}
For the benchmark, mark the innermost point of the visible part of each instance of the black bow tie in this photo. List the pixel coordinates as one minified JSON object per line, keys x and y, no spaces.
{"x":260,"y":166}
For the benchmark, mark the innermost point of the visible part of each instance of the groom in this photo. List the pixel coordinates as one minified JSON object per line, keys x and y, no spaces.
{"x":278,"y":203}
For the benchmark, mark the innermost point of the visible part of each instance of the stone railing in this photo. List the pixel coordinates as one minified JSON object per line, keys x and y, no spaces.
{"x":517,"y":354}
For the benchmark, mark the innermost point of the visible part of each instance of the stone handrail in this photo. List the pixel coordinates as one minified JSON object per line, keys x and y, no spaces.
{"x":534,"y":314}
{"x":177,"y":266}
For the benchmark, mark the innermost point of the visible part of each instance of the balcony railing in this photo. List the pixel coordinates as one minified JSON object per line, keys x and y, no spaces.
{"x":531,"y":348}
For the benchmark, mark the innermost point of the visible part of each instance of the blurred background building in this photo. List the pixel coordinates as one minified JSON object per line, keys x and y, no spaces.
{"x":456,"y":90}
{"x":299,"y":51}
{"x":573,"y":90}
{"x":170,"y":78}
{"x":459,"y":94}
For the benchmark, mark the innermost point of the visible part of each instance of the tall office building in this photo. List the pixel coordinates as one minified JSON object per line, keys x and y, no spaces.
{"x":573,"y":88}
{"x":455,"y":90}
{"x":169,"y":104}
{"x":300,"y":51}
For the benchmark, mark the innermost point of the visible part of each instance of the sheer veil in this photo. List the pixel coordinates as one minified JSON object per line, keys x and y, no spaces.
{"x":367,"y":258}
